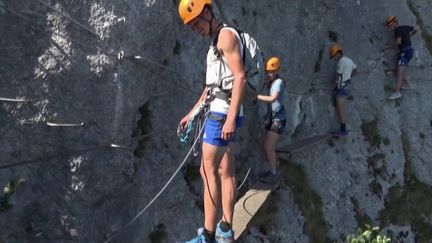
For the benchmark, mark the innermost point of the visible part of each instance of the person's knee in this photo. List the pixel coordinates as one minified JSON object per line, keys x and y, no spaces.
{"x":226,"y":173}
{"x":208,"y":172}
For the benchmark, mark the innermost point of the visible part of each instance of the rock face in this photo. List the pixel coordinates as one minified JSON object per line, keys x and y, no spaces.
{"x":62,"y":57}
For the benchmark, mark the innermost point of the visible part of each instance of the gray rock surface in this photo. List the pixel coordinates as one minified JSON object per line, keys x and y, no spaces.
{"x":83,"y":190}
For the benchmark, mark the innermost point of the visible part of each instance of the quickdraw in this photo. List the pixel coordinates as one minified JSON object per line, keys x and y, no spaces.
{"x":183,"y":134}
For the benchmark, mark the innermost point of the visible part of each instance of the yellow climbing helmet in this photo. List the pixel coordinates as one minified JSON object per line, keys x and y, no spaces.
{"x":391,"y":19}
{"x":334,"y":49}
{"x":190,"y":9}
{"x":272,"y":64}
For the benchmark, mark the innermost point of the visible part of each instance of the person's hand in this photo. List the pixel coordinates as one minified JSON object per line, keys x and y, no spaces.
{"x":228,"y":129}
{"x":416,"y":29}
{"x":184,"y":122}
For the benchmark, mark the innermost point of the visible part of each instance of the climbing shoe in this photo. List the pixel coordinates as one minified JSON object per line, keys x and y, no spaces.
{"x":200,"y":238}
{"x":269,"y":177}
{"x":394,"y":96}
{"x":339,"y":134}
{"x":224,"y":237}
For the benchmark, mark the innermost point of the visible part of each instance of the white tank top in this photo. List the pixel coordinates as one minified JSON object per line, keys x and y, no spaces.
{"x":217,"y":69}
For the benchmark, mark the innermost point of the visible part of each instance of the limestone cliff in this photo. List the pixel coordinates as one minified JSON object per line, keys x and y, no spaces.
{"x":61,"y":56}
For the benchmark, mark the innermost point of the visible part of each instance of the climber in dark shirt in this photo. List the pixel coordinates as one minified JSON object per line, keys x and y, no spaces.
{"x":402,"y":36}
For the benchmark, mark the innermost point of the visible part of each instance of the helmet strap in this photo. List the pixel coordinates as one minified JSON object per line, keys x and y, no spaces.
{"x":210,"y":22}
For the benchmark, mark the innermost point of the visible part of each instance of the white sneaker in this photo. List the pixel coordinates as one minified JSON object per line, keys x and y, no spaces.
{"x":406,"y":87}
{"x":394,"y":96}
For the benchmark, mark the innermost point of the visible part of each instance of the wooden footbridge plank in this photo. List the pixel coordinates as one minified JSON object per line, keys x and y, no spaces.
{"x":248,"y":206}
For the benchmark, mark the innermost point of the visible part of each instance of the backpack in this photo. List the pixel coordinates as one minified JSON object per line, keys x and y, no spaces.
{"x":253,"y":60}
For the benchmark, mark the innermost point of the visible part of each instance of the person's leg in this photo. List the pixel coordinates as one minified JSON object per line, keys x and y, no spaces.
{"x":341,"y":109}
{"x":211,"y":157}
{"x":403,"y":62}
{"x":228,"y":183}
{"x":269,"y":146}
{"x":400,"y":71}
{"x":405,"y":80}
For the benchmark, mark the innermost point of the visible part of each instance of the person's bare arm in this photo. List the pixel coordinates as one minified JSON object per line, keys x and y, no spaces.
{"x":337,"y":78}
{"x":268,"y":98}
{"x":201,"y":99}
{"x":416,"y":29}
{"x":229,"y":46}
{"x":394,"y":44}
{"x":184,"y":121}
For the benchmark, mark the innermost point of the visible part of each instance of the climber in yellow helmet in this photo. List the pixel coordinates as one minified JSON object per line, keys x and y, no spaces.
{"x":275,"y":118}
{"x":346,"y":68}
{"x":402,"y":36}
{"x":225,"y":82}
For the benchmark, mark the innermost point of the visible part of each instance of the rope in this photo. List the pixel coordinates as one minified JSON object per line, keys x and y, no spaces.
{"x":197,"y":136}
{"x":245,"y":178}
{"x":70,"y":18}
{"x":48,"y":158}
{"x":158,"y":194}
{"x":71,"y":153}
{"x":134,"y":58}
{"x":34,"y":237}
{"x":101,"y":49}
{"x":53,"y":32}
{"x":303,"y":143}
{"x":160,"y":76}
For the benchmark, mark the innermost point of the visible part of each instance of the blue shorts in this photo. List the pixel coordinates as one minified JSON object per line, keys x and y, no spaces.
{"x":405,"y":56}
{"x":213,"y":129}
{"x":343,"y":90}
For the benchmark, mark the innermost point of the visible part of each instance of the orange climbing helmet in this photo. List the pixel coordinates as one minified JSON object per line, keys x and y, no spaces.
{"x":334,"y":49}
{"x":390,"y":20}
{"x":190,"y":9}
{"x":272,"y":64}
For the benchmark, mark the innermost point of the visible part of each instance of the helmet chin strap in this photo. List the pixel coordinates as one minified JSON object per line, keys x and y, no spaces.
{"x":209,"y":23}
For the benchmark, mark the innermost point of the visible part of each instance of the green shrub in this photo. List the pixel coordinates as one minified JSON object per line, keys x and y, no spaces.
{"x":8,"y":191}
{"x":369,"y":235}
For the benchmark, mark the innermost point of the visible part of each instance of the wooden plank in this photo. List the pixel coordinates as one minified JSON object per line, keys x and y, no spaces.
{"x":247,"y":207}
